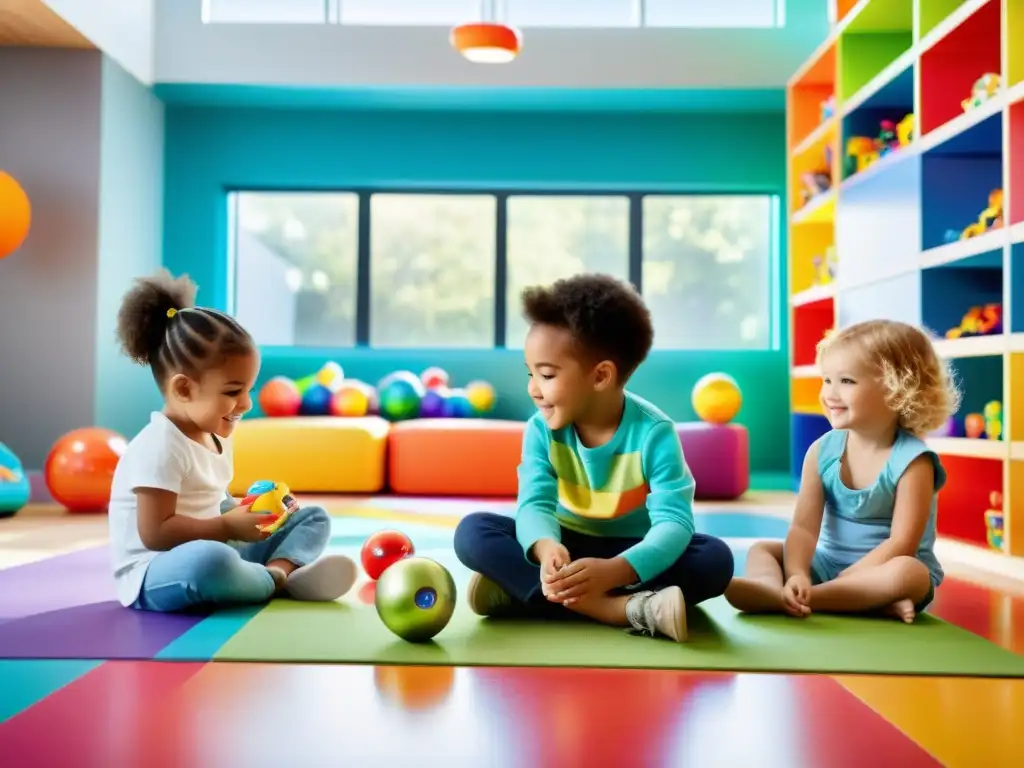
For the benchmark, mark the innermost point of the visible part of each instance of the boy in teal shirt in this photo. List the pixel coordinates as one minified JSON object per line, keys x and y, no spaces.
{"x":604,"y":522}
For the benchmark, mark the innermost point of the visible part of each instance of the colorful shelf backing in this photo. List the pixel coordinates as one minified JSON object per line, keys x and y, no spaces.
{"x":931,"y":95}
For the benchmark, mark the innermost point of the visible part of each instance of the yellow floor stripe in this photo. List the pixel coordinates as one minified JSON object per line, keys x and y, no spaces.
{"x":967,"y":722}
{"x":395,"y":515}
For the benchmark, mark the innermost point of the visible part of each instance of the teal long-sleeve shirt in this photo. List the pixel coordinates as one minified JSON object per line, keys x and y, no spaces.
{"x":636,"y":485}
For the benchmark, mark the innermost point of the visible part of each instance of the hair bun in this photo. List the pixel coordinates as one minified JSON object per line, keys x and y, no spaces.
{"x":147,"y":308}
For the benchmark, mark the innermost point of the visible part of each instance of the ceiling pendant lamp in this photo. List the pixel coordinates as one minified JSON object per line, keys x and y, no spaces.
{"x":486,"y":42}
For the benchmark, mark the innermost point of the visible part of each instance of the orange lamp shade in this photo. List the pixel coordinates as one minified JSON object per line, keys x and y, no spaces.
{"x":484,"y":43}
{"x":15,"y":215}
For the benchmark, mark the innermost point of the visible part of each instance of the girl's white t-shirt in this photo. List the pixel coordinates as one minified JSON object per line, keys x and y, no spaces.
{"x":161,"y":456}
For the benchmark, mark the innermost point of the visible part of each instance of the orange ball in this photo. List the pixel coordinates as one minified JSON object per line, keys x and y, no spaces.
{"x":280,"y":397}
{"x":79,"y":469}
{"x":15,"y":215}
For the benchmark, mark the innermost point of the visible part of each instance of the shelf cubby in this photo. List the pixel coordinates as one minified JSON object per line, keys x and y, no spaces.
{"x":965,"y":498}
{"x":959,"y":178}
{"x":1015,"y":428}
{"x":810,"y":323}
{"x":1014,"y":37}
{"x":951,"y":67}
{"x":1015,"y":159}
{"x":1011,"y":545}
{"x":807,"y":97}
{"x":875,"y":224}
{"x":841,"y":9}
{"x":931,"y":13}
{"x":863,"y":117}
{"x":1016,"y":292}
{"x":804,"y":395}
{"x":981,"y":382}
{"x":949,"y":292}
{"x":810,"y":245}
{"x":879,"y":35}
{"x":894,"y":298}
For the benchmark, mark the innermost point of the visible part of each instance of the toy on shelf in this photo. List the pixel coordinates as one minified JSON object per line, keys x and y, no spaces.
{"x":984,"y":88}
{"x":990,"y":218}
{"x":863,"y":151}
{"x":828,"y":108}
{"x":993,"y":414}
{"x":994,"y":521}
{"x":814,"y":183}
{"x":985,"y":320}
{"x":825,"y":267}
{"x":268,"y":497}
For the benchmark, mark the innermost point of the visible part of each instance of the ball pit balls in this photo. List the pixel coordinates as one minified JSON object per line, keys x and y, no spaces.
{"x":415,"y":598}
{"x":280,"y":397}
{"x":383,"y":549}
{"x":351,"y":400}
{"x":716,"y":398}
{"x":480,"y":395}
{"x":434,"y":377}
{"x":400,"y":398}
{"x":316,"y":401}
{"x":457,"y":405}
{"x":331,"y":376}
{"x":432,"y":404}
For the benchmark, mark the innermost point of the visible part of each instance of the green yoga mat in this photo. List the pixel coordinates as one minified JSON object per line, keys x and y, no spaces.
{"x":350,"y":631}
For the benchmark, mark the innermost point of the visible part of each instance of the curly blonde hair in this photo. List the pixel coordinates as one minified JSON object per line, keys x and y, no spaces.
{"x":919,"y":386}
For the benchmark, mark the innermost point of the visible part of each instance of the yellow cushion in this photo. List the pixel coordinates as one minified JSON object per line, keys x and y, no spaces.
{"x":311,"y":454}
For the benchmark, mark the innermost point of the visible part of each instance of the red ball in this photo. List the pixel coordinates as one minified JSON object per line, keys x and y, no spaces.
{"x":280,"y":397}
{"x":383,"y":548}
{"x":79,"y":469}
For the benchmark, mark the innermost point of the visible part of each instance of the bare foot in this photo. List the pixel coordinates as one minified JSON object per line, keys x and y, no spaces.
{"x":754,"y":596}
{"x":902,"y":610}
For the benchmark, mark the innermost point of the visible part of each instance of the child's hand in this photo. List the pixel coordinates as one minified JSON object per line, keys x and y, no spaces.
{"x":551,"y":555}
{"x":241,"y":524}
{"x":796,"y":596}
{"x":587,"y":576}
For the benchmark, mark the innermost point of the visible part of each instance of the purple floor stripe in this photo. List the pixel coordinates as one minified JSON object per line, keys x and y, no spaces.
{"x":65,"y":607}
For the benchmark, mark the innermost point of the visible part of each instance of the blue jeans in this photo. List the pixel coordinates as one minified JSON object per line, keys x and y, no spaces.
{"x":486,"y":543}
{"x":211,"y":573}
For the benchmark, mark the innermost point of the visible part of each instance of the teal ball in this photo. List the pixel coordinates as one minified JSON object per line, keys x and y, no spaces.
{"x":415,"y":598}
{"x":400,"y":399}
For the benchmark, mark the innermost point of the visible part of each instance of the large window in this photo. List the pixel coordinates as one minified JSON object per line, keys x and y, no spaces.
{"x":390,"y":269}
{"x":523,"y":13}
{"x":554,"y":236}
{"x":295,"y":267}
{"x":432,"y":270}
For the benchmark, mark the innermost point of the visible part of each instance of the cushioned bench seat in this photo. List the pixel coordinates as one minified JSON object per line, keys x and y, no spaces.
{"x":312,"y":454}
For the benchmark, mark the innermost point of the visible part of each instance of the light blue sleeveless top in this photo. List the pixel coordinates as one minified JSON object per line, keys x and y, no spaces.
{"x":855,"y":522}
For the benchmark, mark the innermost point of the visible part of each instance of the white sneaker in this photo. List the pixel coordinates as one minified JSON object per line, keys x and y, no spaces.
{"x":323,"y":580}
{"x":659,"y":613}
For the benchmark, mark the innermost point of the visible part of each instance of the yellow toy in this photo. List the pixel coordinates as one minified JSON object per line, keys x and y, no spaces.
{"x":905,"y":130}
{"x":994,"y":521}
{"x":716,"y":398}
{"x":984,"y":88}
{"x":993,"y":413}
{"x":990,"y":218}
{"x":265,"y":496}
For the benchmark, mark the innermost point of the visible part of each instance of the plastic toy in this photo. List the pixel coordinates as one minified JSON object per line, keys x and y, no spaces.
{"x":986,"y":320}
{"x":267,"y":496}
{"x":984,"y":88}
{"x":716,"y":398}
{"x":383,"y":549}
{"x":415,"y":598}
{"x":79,"y":470}
{"x":864,"y":151}
{"x":994,"y":521}
{"x":828,"y":107}
{"x":280,"y":397}
{"x":825,"y":267}
{"x":993,"y":414}
{"x":974,"y":425}
{"x":990,"y":218}
{"x":15,"y":215}
{"x":15,"y":489}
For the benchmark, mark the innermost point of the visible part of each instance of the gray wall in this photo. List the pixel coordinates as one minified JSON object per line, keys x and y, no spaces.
{"x":50,"y":142}
{"x":130,"y":237}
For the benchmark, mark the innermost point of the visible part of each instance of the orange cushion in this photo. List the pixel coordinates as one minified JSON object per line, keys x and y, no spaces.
{"x":455,"y":457}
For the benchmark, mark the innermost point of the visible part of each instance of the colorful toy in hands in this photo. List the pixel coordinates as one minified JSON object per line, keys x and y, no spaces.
{"x":994,"y":521}
{"x":985,"y":320}
{"x":984,"y":88}
{"x":266,"y":496}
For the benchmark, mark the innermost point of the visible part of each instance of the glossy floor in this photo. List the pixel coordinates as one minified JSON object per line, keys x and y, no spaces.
{"x":241,"y":714}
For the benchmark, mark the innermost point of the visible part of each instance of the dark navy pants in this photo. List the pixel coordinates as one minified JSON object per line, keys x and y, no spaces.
{"x":486,"y":543}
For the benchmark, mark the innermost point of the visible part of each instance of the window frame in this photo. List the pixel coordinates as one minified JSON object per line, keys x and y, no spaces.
{"x":635,"y":196}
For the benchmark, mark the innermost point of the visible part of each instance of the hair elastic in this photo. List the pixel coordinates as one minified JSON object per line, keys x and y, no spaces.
{"x":171,"y":312}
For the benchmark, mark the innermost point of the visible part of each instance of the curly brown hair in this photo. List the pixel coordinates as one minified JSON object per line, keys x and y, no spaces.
{"x":606,"y":317}
{"x":159,"y":325}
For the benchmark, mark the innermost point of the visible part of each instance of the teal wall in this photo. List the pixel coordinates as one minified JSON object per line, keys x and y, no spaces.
{"x":130,"y":238}
{"x":211,"y":150}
